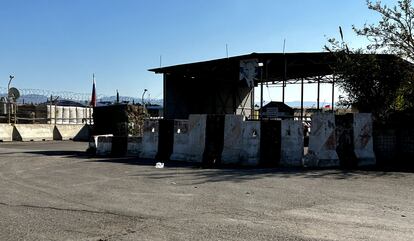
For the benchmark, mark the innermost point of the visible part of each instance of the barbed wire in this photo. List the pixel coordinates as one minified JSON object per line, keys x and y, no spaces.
{"x":41,"y":96}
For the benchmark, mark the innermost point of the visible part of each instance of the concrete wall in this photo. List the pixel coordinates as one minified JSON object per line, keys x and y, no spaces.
{"x":233,"y":135}
{"x":78,"y":132}
{"x":197,"y":137}
{"x":322,"y":142}
{"x":181,"y":141}
{"x":250,"y":143}
{"x":363,"y":140}
{"x":33,"y":132}
{"x":291,"y":143}
{"x":150,"y":139}
{"x":103,"y":145}
{"x":134,"y":147}
{"x":6,"y":132}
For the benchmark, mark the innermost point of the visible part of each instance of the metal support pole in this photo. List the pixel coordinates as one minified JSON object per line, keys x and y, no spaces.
{"x":252,"y":113}
{"x":333,"y":95}
{"x":301,"y":99}
{"x":261,"y":94}
{"x":284,"y":80}
{"x":319,"y":93}
{"x":8,"y":97}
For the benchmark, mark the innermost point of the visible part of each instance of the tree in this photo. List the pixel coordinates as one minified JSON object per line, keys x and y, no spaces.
{"x":394,"y":32}
{"x":379,"y":83}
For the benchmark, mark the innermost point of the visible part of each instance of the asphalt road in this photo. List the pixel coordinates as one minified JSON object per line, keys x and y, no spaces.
{"x":53,"y":191}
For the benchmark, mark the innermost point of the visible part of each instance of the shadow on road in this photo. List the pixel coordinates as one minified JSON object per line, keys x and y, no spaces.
{"x":226,"y":173}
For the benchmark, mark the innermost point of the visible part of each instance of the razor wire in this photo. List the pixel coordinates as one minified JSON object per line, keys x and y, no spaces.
{"x":41,"y":96}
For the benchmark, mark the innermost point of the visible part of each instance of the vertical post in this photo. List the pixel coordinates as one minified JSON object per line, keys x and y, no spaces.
{"x":261,"y":94}
{"x":252,"y":103}
{"x":284,"y":74}
{"x":55,"y":112}
{"x":301,"y":99}
{"x":15,"y":112}
{"x":50,"y":110}
{"x":319,"y":93}
{"x":333,"y":94}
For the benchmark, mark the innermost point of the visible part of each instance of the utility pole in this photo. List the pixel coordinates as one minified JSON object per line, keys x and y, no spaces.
{"x":9,"y":97}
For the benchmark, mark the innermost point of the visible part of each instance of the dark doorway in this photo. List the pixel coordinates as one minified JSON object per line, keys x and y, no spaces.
{"x":214,"y":140}
{"x":165,"y":139}
{"x":345,"y":141}
{"x":270,"y":143}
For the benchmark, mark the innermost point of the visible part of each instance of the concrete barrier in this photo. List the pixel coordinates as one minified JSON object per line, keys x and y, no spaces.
{"x":150,"y":139}
{"x":134,"y":146}
{"x":77,"y":132}
{"x":291,"y":143}
{"x":181,"y":141}
{"x":233,"y":132}
{"x":250,"y":144}
{"x":363,"y":140}
{"x":6,"y":132}
{"x":322,"y":142}
{"x":103,"y":145}
{"x":197,"y":137}
{"x":33,"y":132}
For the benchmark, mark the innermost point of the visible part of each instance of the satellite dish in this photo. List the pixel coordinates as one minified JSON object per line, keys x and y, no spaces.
{"x":14,"y":93}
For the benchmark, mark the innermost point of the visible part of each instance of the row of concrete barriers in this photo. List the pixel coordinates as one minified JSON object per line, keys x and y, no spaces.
{"x":228,"y":139}
{"x":43,"y":132}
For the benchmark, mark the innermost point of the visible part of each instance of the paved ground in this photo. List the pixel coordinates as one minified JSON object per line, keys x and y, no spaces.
{"x":51,"y":191}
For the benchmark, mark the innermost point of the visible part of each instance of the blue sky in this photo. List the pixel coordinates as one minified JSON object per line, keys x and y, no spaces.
{"x":58,"y":44}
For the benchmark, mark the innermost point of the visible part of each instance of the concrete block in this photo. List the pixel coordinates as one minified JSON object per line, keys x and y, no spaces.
{"x":103,"y":145}
{"x":322,"y":142}
{"x":77,"y":132}
{"x":363,"y":139}
{"x":233,"y":131}
{"x":33,"y":132}
{"x":134,"y":147}
{"x":181,"y":141}
{"x":6,"y":132}
{"x":150,"y":139}
{"x":197,"y":137}
{"x":250,"y":143}
{"x":291,"y":143}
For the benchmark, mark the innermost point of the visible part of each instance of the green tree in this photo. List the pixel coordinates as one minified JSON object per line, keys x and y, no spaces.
{"x":379,"y":83}
{"x":394,"y":32}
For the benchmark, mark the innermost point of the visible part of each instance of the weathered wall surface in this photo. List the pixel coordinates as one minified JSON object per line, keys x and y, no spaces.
{"x":6,"y":132}
{"x":363,"y":139}
{"x":103,"y":145}
{"x":322,"y":142}
{"x":197,"y":137}
{"x":134,"y":146}
{"x":71,"y":132}
{"x":181,"y":141}
{"x":291,"y":143}
{"x":150,"y":139}
{"x":33,"y":132}
{"x":233,"y":135}
{"x":250,"y":144}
